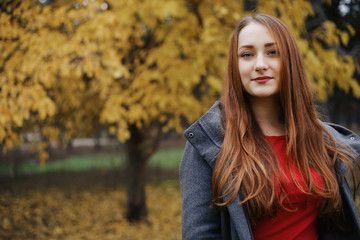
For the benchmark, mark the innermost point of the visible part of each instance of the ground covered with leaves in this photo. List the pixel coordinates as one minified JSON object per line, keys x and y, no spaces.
{"x":86,"y":206}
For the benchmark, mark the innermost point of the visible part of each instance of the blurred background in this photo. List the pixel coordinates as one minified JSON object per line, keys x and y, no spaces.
{"x":95,"y":94}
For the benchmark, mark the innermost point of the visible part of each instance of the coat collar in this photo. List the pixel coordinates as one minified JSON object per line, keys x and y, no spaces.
{"x":207,"y":134}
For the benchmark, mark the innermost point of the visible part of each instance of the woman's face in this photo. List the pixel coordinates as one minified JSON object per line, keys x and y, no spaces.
{"x":259,"y":61}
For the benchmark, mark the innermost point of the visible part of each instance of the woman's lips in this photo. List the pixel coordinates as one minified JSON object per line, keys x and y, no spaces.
{"x":262,"y":79}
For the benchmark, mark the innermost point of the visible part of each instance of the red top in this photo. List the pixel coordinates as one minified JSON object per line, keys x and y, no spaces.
{"x":298,"y":223}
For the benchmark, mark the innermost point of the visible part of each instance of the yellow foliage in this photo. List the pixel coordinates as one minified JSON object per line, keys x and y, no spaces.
{"x":54,"y":213}
{"x":72,"y":68}
{"x":351,"y":29}
{"x":43,"y":155}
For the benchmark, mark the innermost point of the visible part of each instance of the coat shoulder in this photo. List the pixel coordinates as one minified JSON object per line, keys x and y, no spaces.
{"x":206,"y":134}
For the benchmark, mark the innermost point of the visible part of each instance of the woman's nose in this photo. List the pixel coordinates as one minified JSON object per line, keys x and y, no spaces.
{"x":260,"y":64}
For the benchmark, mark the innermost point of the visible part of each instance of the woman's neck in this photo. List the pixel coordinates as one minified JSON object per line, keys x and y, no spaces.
{"x":267,"y":112}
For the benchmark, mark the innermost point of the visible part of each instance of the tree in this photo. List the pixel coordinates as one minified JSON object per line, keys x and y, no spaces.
{"x":72,"y":67}
{"x":345,"y":14}
{"x":342,"y":105}
{"x":138,"y":68}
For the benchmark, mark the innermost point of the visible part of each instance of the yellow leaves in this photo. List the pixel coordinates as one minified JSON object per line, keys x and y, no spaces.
{"x":50,"y":132}
{"x":5,"y":224}
{"x":167,"y":9}
{"x":330,"y":34}
{"x":123,"y":132}
{"x":17,"y":103}
{"x":53,"y":212}
{"x":46,"y":76}
{"x":351,"y":30}
{"x":112,"y":130}
{"x":326,"y":69}
{"x":327,"y":33}
{"x":215,"y":83}
{"x":43,"y":105}
{"x":4,"y":114}
{"x":211,"y":34}
{"x":12,"y":140}
{"x":344,"y":37}
{"x":138,"y":62}
{"x":42,"y":153}
{"x":293,"y":13}
{"x":355,"y":88}
{"x":8,"y":30}
{"x":112,"y":60}
{"x":113,"y":110}
{"x":220,"y":10}
{"x":136,"y":113}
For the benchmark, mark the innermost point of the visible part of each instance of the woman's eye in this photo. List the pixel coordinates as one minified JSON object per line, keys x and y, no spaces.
{"x":273,"y":52}
{"x":246,"y":55}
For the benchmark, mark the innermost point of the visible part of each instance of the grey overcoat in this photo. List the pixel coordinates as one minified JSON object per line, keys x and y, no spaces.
{"x":199,"y":221}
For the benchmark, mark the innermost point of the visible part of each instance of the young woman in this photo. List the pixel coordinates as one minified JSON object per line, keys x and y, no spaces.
{"x":261,"y":165}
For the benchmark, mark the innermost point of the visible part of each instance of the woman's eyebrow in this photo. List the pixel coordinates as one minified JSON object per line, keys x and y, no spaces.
{"x":245,"y":46}
{"x":270,"y":44}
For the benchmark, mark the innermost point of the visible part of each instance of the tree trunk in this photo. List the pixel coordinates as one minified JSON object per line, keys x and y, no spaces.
{"x":97,"y":145}
{"x":137,"y":158}
{"x":69,"y":146}
{"x":16,"y":162}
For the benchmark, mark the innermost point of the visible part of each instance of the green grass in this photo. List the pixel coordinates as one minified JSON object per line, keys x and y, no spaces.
{"x":163,"y":158}
{"x":166,"y":158}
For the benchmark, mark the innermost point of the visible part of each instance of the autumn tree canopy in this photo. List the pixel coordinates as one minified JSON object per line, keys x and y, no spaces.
{"x":68,"y":67}
{"x":137,"y":67}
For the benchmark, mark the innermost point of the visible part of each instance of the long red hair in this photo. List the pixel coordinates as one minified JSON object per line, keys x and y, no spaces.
{"x":245,"y":164}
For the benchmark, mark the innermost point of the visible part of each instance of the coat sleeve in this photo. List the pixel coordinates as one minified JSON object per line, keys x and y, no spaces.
{"x":199,"y":220}
{"x":350,"y":139}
